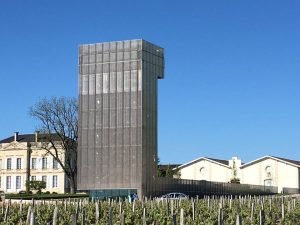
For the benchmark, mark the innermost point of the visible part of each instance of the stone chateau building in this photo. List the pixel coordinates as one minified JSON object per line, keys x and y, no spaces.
{"x":22,"y":158}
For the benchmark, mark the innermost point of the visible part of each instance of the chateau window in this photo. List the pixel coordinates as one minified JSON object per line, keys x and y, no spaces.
{"x":33,"y":163}
{"x":44,"y":178}
{"x":54,"y":181}
{"x":8,"y":165}
{"x":19,"y":163}
{"x":18,"y":182}
{"x":44,"y":163}
{"x":8,"y":182}
{"x":55,"y":164}
{"x":202,"y":171}
{"x":268,"y":182}
{"x":33,"y":177}
{"x":268,"y":171}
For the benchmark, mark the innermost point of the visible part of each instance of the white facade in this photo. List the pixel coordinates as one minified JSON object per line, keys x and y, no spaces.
{"x":205,"y":169}
{"x":265,"y":171}
{"x":13,"y":167}
{"x":271,"y":171}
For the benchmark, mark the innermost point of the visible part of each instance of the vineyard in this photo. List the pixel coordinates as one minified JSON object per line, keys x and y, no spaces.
{"x":207,"y":211}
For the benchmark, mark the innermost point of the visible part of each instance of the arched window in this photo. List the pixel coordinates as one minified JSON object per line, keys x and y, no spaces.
{"x":202,"y":171}
{"x":268,"y":171}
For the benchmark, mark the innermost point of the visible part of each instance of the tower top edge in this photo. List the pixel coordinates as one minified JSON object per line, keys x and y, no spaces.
{"x":120,"y":41}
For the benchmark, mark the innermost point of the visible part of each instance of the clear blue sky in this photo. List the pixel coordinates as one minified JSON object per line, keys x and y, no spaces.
{"x":232,"y":78}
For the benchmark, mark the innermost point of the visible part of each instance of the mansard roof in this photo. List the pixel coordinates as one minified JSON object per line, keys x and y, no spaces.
{"x":28,"y":138}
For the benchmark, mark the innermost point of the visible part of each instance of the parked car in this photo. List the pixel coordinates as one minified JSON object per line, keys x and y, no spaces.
{"x":175,"y":195}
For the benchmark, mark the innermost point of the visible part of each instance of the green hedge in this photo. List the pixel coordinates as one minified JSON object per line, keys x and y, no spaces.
{"x":44,"y":196}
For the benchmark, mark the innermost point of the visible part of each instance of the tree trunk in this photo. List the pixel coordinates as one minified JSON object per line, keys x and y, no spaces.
{"x":73,"y":184}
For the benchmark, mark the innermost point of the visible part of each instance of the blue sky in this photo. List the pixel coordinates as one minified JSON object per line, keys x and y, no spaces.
{"x":232,"y":81}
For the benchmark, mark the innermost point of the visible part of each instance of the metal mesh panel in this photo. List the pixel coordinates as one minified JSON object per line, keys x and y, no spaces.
{"x":117,"y":98}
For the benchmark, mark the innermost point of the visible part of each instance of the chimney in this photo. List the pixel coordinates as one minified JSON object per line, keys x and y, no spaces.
{"x":36,"y":136}
{"x":16,"y":136}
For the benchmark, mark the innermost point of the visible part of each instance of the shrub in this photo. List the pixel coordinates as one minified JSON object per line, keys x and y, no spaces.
{"x":235,"y":180}
{"x":36,"y":185}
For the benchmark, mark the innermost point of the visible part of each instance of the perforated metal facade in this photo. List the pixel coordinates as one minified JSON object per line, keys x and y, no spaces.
{"x":118,"y":115}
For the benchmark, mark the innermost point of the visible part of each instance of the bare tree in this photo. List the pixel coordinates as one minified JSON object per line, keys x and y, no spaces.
{"x":58,"y":119}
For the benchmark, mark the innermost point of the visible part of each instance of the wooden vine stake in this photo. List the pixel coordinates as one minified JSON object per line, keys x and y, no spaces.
{"x":55,"y":215}
{"x":74,"y":218}
{"x":144,"y":217}
{"x":133,"y":206}
{"x":238,"y":220}
{"x":261,"y":217}
{"x":122,"y":218}
{"x":32,"y":218}
{"x":220,"y":216}
{"x":6,"y":212}
{"x":83,"y":216}
{"x":174,"y":219}
{"x":193,"y":209}
{"x":181,"y":217}
{"x":28,"y":215}
{"x":21,"y":207}
{"x":282,"y":210}
{"x":110,"y":216}
{"x":97,"y":212}
{"x":120,"y":207}
{"x":208,"y":202}
{"x":252,"y":211}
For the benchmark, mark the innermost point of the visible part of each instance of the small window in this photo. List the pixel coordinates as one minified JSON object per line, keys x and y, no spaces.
{"x":33,"y":178}
{"x":8,"y":165}
{"x":54,"y":181}
{"x":202,"y":171}
{"x":44,"y":178}
{"x":268,"y":182}
{"x":44,"y":163}
{"x":8,"y":182}
{"x":33,"y":163}
{"x":18,"y":182}
{"x":268,"y":171}
{"x":19,"y":163}
{"x":55,"y":164}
